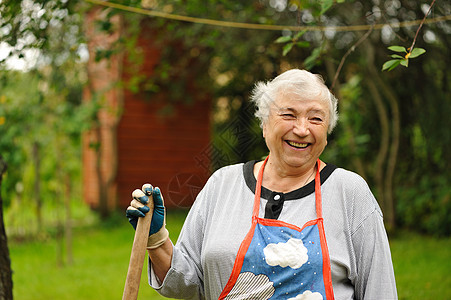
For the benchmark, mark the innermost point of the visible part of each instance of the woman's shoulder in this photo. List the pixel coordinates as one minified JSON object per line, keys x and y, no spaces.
{"x":219,"y":184}
{"x":348,"y":178}
{"x":355,"y":190}
{"x":226,"y":173}
{"x":229,"y":169}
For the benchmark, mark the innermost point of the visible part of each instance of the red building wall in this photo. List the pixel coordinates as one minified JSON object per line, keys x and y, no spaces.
{"x":166,"y":150}
{"x":169,"y":151}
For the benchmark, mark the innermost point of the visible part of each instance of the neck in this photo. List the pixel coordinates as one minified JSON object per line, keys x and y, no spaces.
{"x":285,"y":180}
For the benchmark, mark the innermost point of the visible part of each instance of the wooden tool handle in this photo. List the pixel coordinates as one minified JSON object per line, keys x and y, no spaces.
{"x":138,"y":254}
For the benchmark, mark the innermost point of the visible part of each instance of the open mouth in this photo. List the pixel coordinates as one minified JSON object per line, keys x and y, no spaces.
{"x":297,"y":145}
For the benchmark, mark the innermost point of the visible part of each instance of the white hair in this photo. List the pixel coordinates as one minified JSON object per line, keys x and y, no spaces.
{"x":298,"y":82}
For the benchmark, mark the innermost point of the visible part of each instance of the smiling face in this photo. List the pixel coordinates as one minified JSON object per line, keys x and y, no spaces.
{"x":296,"y":131}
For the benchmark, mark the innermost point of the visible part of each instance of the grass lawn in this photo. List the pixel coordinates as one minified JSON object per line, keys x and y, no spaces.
{"x":101,"y":256}
{"x":422,"y":266}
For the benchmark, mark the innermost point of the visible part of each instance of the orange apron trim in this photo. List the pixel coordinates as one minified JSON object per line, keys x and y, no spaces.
{"x":327,"y":276}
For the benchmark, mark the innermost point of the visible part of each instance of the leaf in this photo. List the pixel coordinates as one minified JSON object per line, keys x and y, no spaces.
{"x":303,"y":44}
{"x":283,"y":39}
{"x":405,"y":62}
{"x":391,"y":64}
{"x":397,"y":49}
{"x":310,"y":61}
{"x":287,"y":48}
{"x":396,"y":56}
{"x":299,"y":34}
{"x":325,"y":5}
{"x":417,"y":52}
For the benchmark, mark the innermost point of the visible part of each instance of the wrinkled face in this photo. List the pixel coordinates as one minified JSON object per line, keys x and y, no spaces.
{"x":296,"y":130}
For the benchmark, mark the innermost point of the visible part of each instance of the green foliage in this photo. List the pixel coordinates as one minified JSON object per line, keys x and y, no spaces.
{"x":43,"y":115}
{"x":358,"y":139}
{"x":16,"y":108}
{"x":291,"y":41}
{"x":353,"y":114}
{"x":31,"y":25}
{"x":401,"y":60}
{"x":41,"y":144}
{"x":327,"y":4}
{"x":426,"y":206}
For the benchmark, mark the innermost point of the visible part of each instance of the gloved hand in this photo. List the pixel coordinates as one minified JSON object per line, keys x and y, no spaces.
{"x":158,"y":232}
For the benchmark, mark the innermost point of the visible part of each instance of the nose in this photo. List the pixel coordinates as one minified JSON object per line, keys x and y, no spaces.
{"x":301,"y":127}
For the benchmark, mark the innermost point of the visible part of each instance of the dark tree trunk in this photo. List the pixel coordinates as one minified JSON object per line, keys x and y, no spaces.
{"x":6,"y":283}
{"x":37,"y":184}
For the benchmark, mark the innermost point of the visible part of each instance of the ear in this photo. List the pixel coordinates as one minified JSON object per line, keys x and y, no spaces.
{"x":264,"y":130}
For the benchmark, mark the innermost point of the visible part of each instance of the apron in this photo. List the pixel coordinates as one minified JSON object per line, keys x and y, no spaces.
{"x":278,"y":260}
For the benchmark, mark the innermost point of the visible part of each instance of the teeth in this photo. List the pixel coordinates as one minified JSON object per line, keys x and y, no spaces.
{"x":298,"y":145}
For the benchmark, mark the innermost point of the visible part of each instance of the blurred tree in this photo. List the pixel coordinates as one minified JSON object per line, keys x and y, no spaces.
{"x":6,"y":284}
{"x":104,"y":70}
{"x":42,"y":111}
{"x":390,"y":105}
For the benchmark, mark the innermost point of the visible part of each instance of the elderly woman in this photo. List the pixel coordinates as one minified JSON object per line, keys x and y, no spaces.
{"x":288,"y":227}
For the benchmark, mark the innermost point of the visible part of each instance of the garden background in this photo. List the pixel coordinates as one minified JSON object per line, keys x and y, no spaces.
{"x":385,"y":60}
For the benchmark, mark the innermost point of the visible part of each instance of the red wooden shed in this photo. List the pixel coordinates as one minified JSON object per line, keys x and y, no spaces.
{"x":133,"y":142}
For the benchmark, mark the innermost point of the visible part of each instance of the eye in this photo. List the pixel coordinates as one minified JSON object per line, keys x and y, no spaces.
{"x":288,"y":116}
{"x":316,"y":119}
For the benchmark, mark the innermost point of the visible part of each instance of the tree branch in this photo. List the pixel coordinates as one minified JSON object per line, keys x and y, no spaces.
{"x":421,"y":25}
{"x":350,"y":50}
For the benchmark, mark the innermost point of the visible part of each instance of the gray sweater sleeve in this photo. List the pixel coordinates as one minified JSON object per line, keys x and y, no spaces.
{"x":375,"y":276}
{"x":361,"y":262}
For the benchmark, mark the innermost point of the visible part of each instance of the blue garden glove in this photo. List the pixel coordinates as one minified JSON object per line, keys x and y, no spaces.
{"x":158,"y":233}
